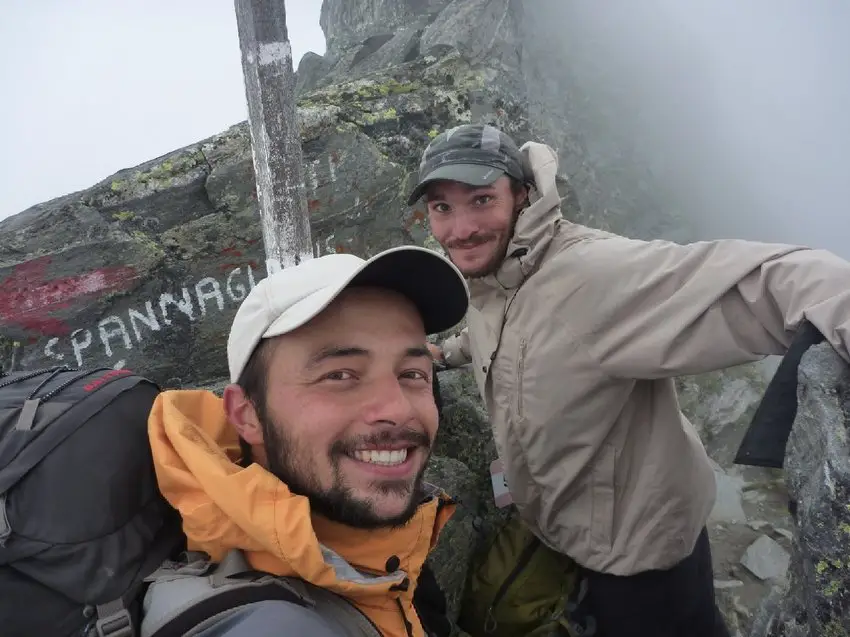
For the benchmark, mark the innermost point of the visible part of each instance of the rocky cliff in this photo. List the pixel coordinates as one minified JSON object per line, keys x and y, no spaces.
{"x":154,"y":259}
{"x":815,"y":598}
{"x":146,"y":268}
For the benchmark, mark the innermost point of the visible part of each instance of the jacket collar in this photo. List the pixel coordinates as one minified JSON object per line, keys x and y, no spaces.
{"x":535,"y":227}
{"x":225,"y":506}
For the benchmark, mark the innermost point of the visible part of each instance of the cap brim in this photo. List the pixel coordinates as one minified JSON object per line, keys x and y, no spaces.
{"x":429,"y":280}
{"x":470,"y":174}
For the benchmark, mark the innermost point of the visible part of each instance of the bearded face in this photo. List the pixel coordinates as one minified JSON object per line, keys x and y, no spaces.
{"x":349,"y":418}
{"x":474,"y":225}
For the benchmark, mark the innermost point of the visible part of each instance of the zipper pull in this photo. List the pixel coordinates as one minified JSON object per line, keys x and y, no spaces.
{"x":490,"y":623}
{"x":408,"y":627}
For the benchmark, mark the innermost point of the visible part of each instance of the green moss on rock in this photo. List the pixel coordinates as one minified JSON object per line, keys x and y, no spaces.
{"x":153,"y":250}
{"x":381,"y":116}
{"x":164,"y":174}
{"x":357,"y":91}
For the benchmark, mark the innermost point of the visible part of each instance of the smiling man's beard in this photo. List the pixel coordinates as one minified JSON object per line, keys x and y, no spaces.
{"x":494,"y":262}
{"x":339,"y":503}
{"x":501,"y":250}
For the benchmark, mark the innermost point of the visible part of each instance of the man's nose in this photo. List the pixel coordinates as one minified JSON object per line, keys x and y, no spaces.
{"x":389,"y":403}
{"x":464,"y":226}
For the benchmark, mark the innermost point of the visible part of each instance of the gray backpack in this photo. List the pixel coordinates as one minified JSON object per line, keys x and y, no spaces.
{"x":84,"y":528}
{"x":82,"y":521}
{"x":194,"y":595}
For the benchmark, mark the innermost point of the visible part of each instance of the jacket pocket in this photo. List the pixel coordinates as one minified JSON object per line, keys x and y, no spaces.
{"x":603,"y":499}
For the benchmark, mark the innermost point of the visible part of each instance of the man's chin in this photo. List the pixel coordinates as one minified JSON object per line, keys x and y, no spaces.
{"x":477,"y":272}
{"x":394,"y":509}
{"x":474,"y":267}
{"x":388,"y":499}
{"x":369,"y":501}
{"x":385,"y":506}
{"x":395,"y":499}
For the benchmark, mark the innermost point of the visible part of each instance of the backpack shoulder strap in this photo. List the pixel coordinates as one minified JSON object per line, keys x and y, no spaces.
{"x":184,"y":598}
{"x":339,"y":610}
{"x":114,"y":618}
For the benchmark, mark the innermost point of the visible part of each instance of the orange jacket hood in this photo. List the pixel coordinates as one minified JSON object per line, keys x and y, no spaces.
{"x":226,"y":506}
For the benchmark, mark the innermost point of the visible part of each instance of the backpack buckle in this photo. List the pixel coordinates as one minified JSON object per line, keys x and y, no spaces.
{"x":117,"y":624}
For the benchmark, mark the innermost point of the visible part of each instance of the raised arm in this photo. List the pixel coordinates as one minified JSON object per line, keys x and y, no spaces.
{"x":656,"y":308}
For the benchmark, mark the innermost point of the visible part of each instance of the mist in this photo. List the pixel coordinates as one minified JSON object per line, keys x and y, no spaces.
{"x":741,"y":111}
{"x":95,"y":86}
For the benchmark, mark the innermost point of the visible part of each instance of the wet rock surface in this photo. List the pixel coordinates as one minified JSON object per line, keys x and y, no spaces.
{"x":766,"y":559}
{"x":454,"y":551}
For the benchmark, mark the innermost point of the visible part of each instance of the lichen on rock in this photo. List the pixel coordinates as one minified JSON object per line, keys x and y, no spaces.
{"x":815,"y":600}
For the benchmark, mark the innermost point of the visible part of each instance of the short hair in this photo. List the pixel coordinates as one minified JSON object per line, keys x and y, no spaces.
{"x":254,"y":382}
{"x":517,"y":186}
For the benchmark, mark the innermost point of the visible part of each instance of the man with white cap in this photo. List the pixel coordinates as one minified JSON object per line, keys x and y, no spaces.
{"x":311,"y":464}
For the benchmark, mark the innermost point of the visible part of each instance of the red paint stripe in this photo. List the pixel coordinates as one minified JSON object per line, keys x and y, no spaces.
{"x":28,"y":298}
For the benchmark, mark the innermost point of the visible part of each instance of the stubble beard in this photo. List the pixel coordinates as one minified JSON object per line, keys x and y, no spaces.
{"x":498,"y":257}
{"x":339,"y":502}
{"x":495,"y":262}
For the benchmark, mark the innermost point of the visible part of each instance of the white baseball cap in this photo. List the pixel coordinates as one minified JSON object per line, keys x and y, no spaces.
{"x":288,"y":299}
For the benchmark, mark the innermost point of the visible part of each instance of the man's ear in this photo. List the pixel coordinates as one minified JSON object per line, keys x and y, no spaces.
{"x":523,"y":198}
{"x":242,"y":415}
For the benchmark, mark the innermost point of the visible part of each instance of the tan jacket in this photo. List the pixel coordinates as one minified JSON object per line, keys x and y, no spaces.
{"x":575,"y":342}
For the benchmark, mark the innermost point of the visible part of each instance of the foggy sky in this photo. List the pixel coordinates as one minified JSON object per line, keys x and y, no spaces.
{"x":743,"y":108}
{"x":93,"y":86}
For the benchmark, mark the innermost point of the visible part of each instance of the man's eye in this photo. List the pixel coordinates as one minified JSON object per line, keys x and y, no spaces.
{"x":339,"y":375}
{"x":416,"y":374}
{"x":483,"y":199}
{"x":440,"y":207}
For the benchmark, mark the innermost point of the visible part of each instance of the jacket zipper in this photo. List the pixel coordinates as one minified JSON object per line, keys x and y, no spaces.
{"x":501,"y":331}
{"x":520,"y":371}
{"x":408,"y":627}
{"x":490,"y":622}
{"x":403,"y":586}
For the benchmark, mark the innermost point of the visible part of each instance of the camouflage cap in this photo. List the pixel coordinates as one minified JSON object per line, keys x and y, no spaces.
{"x":474,"y":154}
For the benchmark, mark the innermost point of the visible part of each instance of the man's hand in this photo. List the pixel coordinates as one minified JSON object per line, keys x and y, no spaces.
{"x":436,"y":352}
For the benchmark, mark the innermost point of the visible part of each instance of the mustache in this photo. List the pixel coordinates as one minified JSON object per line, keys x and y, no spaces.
{"x":471,"y":242}
{"x":406,"y":437}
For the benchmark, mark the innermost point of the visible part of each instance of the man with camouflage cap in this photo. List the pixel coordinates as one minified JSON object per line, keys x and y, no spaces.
{"x":473,"y":158}
{"x":575,"y":336}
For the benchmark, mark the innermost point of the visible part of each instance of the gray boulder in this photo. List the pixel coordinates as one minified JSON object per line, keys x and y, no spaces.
{"x":349,"y":24}
{"x":815,"y":600}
